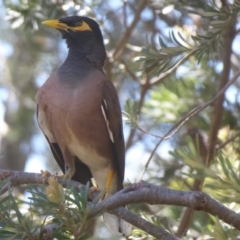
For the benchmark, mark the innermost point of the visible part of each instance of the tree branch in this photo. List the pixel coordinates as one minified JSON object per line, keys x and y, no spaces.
{"x":216,"y":119}
{"x":128,"y":32}
{"x":122,"y":43}
{"x":18,"y":178}
{"x":200,"y":144}
{"x":141,"y":223}
{"x":144,"y":89}
{"x":152,"y":194}
{"x":137,"y":193}
{"x":218,"y":109}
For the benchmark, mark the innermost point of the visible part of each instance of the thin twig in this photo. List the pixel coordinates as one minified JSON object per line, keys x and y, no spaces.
{"x":125,"y":13}
{"x":156,"y":80}
{"x":203,"y":106}
{"x":144,"y":89}
{"x":222,"y":145}
{"x":188,"y":213}
{"x":122,"y":43}
{"x":200,"y":144}
{"x":119,"y":49}
{"x":156,"y":231}
{"x":128,"y":70}
{"x":224,"y":82}
{"x":180,"y":123}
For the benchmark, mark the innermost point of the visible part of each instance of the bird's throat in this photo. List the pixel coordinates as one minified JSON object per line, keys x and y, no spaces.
{"x":75,"y":67}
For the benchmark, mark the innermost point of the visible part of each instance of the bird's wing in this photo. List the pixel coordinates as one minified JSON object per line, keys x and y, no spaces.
{"x":82,"y":173}
{"x":113,"y":118}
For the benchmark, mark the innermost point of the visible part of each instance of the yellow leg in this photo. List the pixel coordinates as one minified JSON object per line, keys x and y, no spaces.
{"x":110,"y":177}
{"x":107,"y":191}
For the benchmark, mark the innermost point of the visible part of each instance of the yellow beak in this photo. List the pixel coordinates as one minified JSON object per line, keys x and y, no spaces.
{"x":55,"y":24}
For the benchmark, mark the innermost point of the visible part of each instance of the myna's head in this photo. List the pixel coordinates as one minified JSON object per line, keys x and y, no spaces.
{"x":81,"y":33}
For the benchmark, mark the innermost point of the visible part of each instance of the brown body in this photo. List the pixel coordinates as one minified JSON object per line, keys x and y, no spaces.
{"x":62,"y":111}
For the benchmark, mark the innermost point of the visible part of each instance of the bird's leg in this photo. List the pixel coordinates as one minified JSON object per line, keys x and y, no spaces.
{"x":107,"y":191}
{"x":94,"y":190}
{"x":110,"y":177}
{"x":69,"y":164}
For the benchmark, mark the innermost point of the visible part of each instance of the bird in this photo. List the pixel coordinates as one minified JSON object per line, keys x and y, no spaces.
{"x":79,"y":113}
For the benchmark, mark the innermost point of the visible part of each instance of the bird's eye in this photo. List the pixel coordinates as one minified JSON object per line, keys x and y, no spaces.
{"x":77,"y":24}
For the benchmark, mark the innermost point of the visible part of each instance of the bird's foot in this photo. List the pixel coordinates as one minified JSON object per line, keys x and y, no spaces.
{"x":94,"y":191}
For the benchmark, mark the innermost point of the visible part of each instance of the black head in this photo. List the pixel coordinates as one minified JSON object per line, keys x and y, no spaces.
{"x":82,"y":35}
{"x":81,"y":26}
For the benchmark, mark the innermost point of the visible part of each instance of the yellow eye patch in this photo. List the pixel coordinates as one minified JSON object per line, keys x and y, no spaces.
{"x":83,"y":27}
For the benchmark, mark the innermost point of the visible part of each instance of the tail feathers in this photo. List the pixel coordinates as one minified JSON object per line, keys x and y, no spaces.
{"x":115,"y":224}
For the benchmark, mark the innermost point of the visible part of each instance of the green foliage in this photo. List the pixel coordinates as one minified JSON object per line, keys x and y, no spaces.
{"x":205,"y":45}
{"x":14,"y":224}
{"x":158,"y":61}
{"x":30,"y":14}
{"x":221,"y":182}
{"x":130,"y":114}
{"x":223,"y":175}
{"x":221,"y":231}
{"x":226,"y":180}
{"x":66,"y":210}
{"x":191,"y":157}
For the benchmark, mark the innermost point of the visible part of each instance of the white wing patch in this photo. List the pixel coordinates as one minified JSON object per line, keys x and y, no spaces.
{"x":106,"y":120}
{"x":43,"y":123}
{"x":105,"y":103}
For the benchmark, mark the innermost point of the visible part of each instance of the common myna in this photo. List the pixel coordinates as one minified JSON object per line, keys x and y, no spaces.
{"x":79,"y":113}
